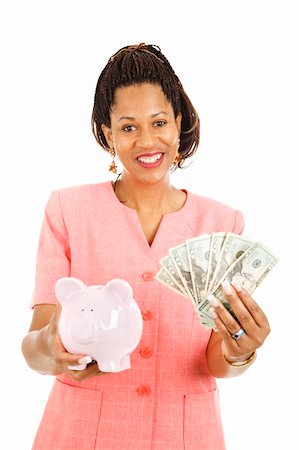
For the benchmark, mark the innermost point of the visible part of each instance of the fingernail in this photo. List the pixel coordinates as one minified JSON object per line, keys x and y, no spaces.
{"x":237,"y":285}
{"x":213,"y":313}
{"x":213,"y":300}
{"x":85,"y":360}
{"x":226,"y":287}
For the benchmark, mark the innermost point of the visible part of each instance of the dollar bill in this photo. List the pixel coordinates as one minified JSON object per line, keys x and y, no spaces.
{"x":249,"y":269}
{"x":233,"y":247}
{"x":198,"y":252}
{"x":165,"y":278}
{"x":171,"y":268}
{"x":180,"y":258}
{"x":203,"y":310}
{"x":217,"y":242}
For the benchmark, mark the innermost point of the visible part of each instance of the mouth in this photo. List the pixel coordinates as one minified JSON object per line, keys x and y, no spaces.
{"x":150,"y":159}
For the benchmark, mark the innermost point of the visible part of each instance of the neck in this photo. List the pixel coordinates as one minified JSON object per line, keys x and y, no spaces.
{"x":160,"y":197}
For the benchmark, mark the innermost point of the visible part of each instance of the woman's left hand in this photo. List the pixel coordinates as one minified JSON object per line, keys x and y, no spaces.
{"x":240,"y":340}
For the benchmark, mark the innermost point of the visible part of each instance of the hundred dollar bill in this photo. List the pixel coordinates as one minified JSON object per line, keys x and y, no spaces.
{"x":165,"y":278}
{"x":180,"y":258}
{"x":169,"y":265}
{"x":233,"y":247}
{"x":198,"y":252}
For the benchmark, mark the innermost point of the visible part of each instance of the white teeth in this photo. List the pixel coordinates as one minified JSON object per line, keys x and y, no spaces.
{"x":150,"y":159}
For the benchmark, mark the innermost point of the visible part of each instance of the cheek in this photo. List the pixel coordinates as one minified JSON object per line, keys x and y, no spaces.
{"x":122,"y":143}
{"x":122,"y":148}
{"x":172,"y":138}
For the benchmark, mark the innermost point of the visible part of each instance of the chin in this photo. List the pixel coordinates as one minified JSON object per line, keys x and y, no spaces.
{"x":154,"y":178}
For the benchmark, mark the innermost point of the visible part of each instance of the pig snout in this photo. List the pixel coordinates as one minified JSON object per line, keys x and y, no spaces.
{"x":83,"y":330}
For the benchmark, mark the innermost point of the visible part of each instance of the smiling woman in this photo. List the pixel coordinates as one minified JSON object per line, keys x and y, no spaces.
{"x":168,"y":398}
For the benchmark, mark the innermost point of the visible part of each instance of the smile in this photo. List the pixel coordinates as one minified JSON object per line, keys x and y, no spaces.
{"x":150,"y":159}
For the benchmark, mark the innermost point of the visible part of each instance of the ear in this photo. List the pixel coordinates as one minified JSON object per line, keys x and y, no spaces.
{"x":66,"y":286}
{"x":108,"y":135}
{"x":119,"y":289}
{"x":178,"y":122}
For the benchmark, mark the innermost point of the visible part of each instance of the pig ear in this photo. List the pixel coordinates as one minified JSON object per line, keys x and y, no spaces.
{"x":119,"y":289}
{"x":67,"y":285}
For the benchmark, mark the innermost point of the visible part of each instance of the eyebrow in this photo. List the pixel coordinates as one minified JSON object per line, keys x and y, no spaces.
{"x":133,"y":118}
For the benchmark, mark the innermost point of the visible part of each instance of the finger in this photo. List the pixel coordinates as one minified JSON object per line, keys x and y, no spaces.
{"x":65,"y":359}
{"x":254,"y":309}
{"x":242,"y":314}
{"x":221,"y":328}
{"x":228,"y":320}
{"x":91,"y":370}
{"x":229,"y":345}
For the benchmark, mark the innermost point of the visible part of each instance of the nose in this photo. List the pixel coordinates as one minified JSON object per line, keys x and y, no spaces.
{"x":83,"y":330}
{"x":146,"y":139}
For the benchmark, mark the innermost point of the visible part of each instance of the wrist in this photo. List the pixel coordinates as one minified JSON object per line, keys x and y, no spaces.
{"x":236,"y":359}
{"x":240,"y":361}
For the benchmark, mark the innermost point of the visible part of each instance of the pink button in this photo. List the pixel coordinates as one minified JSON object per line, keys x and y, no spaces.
{"x":143,"y":390}
{"x":146,"y":352}
{"x":147,"y":314}
{"x":148,"y":276}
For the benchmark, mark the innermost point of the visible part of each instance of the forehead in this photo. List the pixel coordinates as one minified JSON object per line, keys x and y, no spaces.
{"x":140,"y":98}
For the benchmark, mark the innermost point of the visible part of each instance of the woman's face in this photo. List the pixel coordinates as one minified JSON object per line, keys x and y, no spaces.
{"x":144,"y":132}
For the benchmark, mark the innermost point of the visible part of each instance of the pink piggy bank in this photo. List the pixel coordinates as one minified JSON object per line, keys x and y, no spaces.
{"x":103,"y":322}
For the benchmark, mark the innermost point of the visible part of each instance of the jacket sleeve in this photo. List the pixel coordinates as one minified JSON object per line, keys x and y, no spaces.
{"x":239,"y":223}
{"x":53,"y":254}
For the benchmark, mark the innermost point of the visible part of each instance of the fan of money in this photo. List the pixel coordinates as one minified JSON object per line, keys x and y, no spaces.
{"x":198,"y":267}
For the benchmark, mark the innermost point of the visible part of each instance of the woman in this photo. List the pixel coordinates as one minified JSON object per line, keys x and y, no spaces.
{"x":168,"y":399}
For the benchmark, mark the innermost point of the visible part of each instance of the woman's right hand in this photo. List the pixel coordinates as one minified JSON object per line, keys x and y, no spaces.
{"x":63,"y":359}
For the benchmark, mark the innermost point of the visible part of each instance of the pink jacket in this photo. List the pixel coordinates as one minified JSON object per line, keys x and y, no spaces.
{"x":168,"y":399}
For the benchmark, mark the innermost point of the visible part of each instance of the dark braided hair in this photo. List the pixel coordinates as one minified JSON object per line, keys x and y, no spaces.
{"x":136,"y":64}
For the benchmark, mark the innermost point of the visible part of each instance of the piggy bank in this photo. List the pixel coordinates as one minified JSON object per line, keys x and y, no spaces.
{"x":103,"y":322}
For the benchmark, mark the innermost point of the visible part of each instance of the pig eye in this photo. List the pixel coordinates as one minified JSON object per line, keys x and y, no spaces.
{"x":82,"y":309}
{"x":91,"y":310}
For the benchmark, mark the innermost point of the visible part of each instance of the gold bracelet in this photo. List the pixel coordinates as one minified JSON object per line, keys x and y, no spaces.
{"x":248,"y":361}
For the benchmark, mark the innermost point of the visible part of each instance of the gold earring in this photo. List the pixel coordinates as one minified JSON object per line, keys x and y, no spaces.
{"x":113,"y":166}
{"x":177,"y":159}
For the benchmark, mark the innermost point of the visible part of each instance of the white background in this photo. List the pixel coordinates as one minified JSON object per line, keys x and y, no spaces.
{"x":238,"y":61}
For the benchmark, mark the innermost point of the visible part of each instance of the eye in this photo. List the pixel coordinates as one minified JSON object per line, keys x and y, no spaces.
{"x":82,"y":309}
{"x":91,"y":310}
{"x":160,"y":123}
{"x":128,"y":128}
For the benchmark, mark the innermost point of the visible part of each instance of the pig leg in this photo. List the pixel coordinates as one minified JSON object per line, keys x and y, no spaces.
{"x":125,"y":362}
{"x":111,"y":366}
